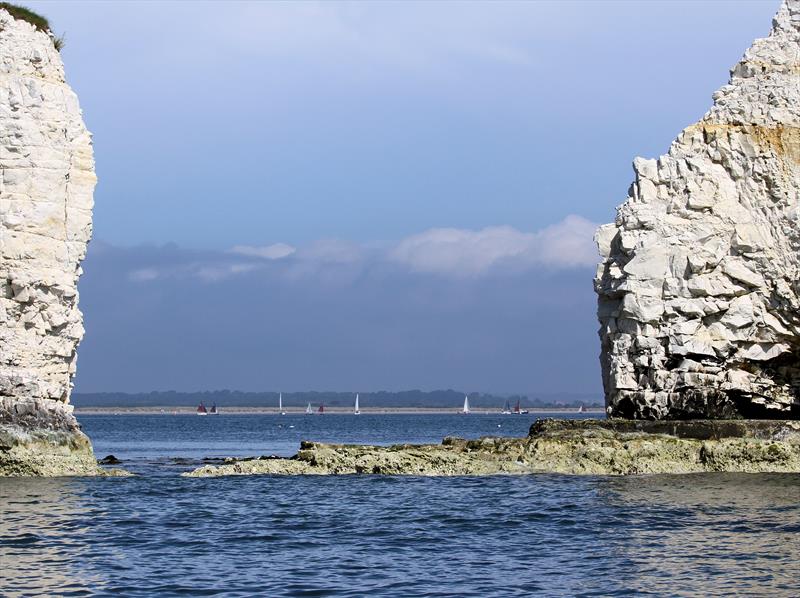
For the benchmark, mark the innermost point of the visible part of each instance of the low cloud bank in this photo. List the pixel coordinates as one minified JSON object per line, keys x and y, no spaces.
{"x":459,"y":252}
{"x":495,"y":310}
{"x":443,"y":252}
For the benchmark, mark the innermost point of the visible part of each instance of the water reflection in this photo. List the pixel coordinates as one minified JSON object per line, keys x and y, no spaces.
{"x":705,"y":533}
{"x":45,"y":535}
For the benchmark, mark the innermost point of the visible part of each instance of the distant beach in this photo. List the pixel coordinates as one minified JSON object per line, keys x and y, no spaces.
{"x":185,"y":410}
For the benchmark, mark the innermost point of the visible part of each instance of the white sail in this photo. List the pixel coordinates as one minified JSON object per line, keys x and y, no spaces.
{"x":466,"y":404}
{"x":308,"y":409}
{"x":280,"y":401}
{"x":355,"y":410}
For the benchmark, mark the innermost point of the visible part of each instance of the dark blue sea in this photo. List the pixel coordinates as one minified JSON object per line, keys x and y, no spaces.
{"x":158,"y":534}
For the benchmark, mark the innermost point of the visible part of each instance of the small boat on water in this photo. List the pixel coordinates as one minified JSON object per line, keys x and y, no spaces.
{"x":581,"y":409}
{"x":465,"y":410}
{"x":355,"y":409}
{"x":280,"y":404}
{"x":201,"y":409}
{"x":506,"y":409}
{"x":308,"y":410}
{"x":321,"y":410}
{"x":519,"y":411}
{"x":213,"y":410}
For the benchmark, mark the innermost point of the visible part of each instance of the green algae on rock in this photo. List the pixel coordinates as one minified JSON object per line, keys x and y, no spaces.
{"x":599,"y":447}
{"x":42,"y":438}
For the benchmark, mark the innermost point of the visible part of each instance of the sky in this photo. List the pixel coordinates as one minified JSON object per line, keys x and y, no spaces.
{"x":364,"y":196}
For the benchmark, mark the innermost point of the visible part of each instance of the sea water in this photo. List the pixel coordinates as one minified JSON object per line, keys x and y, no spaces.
{"x":157,"y":534}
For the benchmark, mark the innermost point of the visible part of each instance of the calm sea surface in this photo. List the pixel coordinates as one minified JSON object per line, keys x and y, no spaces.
{"x":157,"y":534}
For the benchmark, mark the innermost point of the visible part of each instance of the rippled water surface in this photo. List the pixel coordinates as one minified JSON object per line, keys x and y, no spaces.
{"x":159,"y":534}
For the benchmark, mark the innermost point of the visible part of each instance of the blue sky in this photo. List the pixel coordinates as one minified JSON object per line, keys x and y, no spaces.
{"x":273,"y":171}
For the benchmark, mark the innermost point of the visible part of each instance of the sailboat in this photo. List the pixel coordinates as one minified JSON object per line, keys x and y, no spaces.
{"x":280,"y":404}
{"x":321,"y":410}
{"x":213,"y":410}
{"x":466,"y":405}
{"x":519,"y":411}
{"x":506,"y":408}
{"x":581,"y":409}
{"x":201,"y":409}
{"x":355,"y":409}
{"x":308,"y":410}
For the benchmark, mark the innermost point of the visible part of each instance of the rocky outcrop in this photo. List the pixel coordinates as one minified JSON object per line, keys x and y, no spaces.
{"x":699,"y":287}
{"x":39,"y":437}
{"x":46,"y":184}
{"x":598,"y":447}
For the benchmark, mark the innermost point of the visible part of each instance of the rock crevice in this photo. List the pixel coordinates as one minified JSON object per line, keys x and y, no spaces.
{"x":699,"y":286}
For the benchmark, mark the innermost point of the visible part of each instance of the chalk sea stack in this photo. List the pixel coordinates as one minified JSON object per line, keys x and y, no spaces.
{"x":699,"y":286}
{"x":46,"y":184}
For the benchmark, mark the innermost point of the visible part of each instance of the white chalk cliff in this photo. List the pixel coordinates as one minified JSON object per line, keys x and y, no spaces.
{"x":46,"y":184}
{"x":699,"y":286}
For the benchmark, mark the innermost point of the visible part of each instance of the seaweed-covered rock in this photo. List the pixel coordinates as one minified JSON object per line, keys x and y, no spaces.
{"x":597,"y":447}
{"x":39,"y":437}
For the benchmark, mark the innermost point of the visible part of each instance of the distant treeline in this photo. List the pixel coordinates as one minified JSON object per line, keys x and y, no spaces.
{"x":407,"y":398}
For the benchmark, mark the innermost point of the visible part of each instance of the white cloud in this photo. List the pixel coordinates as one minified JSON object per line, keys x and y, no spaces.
{"x":448,"y":252}
{"x":465,"y":253}
{"x":143,"y":275}
{"x":275,"y":251}
{"x":568,"y":244}
{"x":216,"y":273}
{"x":459,"y":251}
{"x":210,"y":271}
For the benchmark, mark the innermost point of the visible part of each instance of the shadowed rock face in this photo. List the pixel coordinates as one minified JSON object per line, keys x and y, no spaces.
{"x":699,"y":287}
{"x":46,"y":184}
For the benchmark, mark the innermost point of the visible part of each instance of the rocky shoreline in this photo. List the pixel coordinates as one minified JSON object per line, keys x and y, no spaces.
{"x":578,"y":447}
{"x":39,"y":437}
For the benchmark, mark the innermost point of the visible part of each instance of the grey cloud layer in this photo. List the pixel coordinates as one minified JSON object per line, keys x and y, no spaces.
{"x":446,"y":252}
{"x":492,"y":310}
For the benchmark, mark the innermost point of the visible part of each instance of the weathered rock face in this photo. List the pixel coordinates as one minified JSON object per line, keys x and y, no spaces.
{"x":46,"y":184}
{"x":699,"y":287}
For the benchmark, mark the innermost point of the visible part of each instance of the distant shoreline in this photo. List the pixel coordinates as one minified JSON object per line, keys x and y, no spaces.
{"x":328,"y":410}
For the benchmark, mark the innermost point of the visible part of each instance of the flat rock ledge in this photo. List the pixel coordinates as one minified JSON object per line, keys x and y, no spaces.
{"x":39,"y":437}
{"x":588,"y":447}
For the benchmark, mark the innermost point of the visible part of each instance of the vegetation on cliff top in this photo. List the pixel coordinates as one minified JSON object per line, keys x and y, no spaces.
{"x":38,"y":21}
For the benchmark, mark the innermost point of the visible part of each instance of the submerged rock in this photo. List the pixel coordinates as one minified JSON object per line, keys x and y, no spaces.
{"x":46,"y":202}
{"x":600,"y":447}
{"x":699,"y":287}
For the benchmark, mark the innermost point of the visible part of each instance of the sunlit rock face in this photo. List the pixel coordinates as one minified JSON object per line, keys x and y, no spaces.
{"x":46,"y":184}
{"x":699,"y":286}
